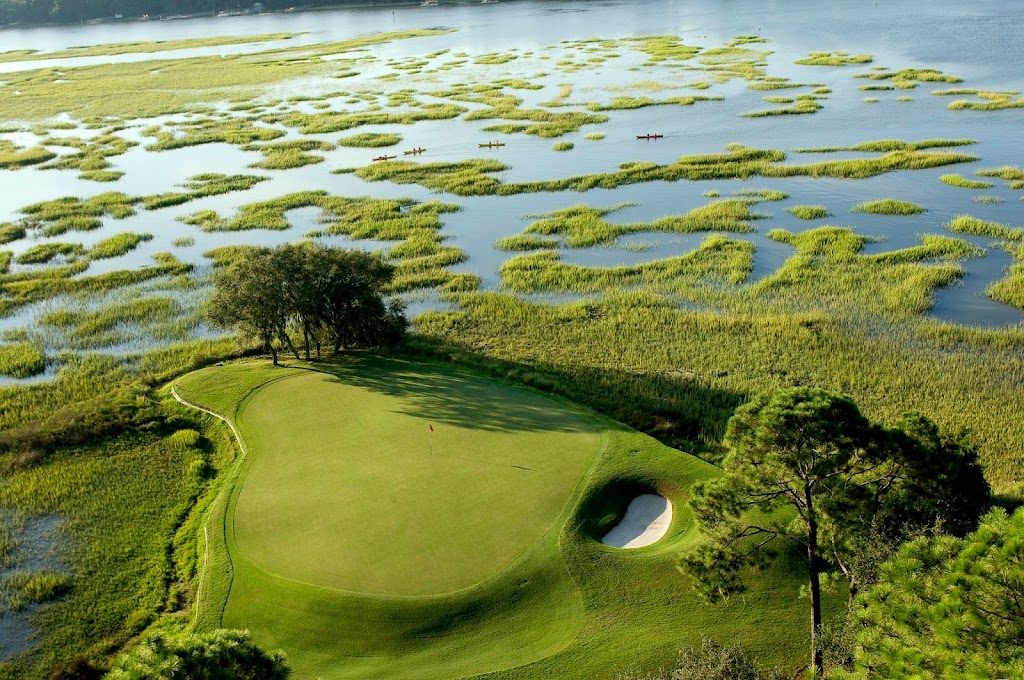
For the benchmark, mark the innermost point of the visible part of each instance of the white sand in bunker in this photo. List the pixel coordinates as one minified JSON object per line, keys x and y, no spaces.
{"x":646,"y":521}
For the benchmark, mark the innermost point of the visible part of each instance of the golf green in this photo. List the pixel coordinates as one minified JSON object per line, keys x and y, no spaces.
{"x":347,"y":486}
{"x":365,"y":546}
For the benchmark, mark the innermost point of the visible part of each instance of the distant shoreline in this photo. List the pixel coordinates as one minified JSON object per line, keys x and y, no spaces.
{"x":233,"y":13}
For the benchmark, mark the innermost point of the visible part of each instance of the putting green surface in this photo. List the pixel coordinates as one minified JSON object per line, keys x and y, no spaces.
{"x":348,"y":488}
{"x":365,"y":548}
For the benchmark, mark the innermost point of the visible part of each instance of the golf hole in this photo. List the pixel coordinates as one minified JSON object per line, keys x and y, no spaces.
{"x":646,"y":521}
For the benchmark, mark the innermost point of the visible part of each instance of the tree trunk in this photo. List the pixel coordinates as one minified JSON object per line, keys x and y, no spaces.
{"x":817,"y":658}
{"x":305,"y":336}
{"x":273,"y":352}
{"x":286,"y":339}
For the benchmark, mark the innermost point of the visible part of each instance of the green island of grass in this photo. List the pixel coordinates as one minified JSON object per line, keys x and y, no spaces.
{"x":888,"y":206}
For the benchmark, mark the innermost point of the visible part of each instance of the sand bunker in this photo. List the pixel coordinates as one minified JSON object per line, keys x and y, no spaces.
{"x":646,"y":521}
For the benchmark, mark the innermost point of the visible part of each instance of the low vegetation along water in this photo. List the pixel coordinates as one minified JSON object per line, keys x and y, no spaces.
{"x":824,"y":195}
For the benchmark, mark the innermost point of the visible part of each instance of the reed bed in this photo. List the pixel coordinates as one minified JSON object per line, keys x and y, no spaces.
{"x":11,"y":232}
{"x":201,"y":186}
{"x":47,"y":252}
{"x":118,"y":245}
{"x":12,"y":156}
{"x":473,"y":177}
{"x":564,"y":146}
{"x":887,"y":145}
{"x":582,"y":226}
{"x":718,"y":261}
{"x":802,"y":106}
{"x":336,"y":121}
{"x":624,"y":103}
{"x":836,"y":58}
{"x":1010,"y":289}
{"x":910,"y":78}
{"x":809,"y":212}
{"x":287,"y":155}
{"x":524,"y":242}
{"x":142,"y":47}
{"x":888,"y":206}
{"x":966,"y":224}
{"x":962,"y":182}
{"x":21,"y":360}
{"x":1013,"y":176}
{"x":371,"y":140}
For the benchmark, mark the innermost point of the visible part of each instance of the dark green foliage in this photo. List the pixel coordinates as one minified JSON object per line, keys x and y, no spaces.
{"x":946,"y":607}
{"x":323,"y":294}
{"x":806,"y":467}
{"x":220,"y":655}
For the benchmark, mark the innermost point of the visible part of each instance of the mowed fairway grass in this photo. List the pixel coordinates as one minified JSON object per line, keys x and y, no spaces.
{"x":365,"y":547}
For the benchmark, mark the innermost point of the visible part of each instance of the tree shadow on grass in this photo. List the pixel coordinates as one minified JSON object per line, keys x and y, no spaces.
{"x":677,"y":409}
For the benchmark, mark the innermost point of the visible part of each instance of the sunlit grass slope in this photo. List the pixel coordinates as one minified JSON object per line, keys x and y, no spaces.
{"x":350,"y":545}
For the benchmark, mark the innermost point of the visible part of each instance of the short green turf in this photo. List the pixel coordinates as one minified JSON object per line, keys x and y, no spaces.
{"x":491,"y":562}
{"x":348,"y":489}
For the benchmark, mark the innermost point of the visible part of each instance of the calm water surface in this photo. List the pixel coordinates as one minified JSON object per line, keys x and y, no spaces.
{"x":977,"y":41}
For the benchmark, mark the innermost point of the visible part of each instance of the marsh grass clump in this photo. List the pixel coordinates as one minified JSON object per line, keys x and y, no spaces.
{"x":988,"y":199}
{"x":91,"y":155}
{"x":11,"y":232}
{"x":47,"y":252}
{"x":563,"y":146}
{"x":338,"y":121}
{"x":1013,"y":176}
{"x":12,"y":156}
{"x":834,"y":59}
{"x":262,"y":215}
{"x":60,"y":215}
{"x":624,"y":103}
{"x":594,"y":136}
{"x":966,"y":224}
{"x":962,"y":182}
{"x":1010,"y":289}
{"x":121,"y":321}
{"x":990,"y":101}
{"x":118,"y":245}
{"x":910,"y":78}
{"x":473,"y":177}
{"x":21,"y":360}
{"x":582,"y":226}
{"x":802,"y":106}
{"x":888,"y":206}
{"x":809,"y":212}
{"x":871,"y":100}
{"x":718,"y":261}
{"x":758,"y":195}
{"x":287,"y":155}
{"x":371,"y":140}
{"x":887,"y":145}
{"x":523,"y":242}
{"x":201,"y":186}
{"x":239,"y":132}
{"x":828,"y":272}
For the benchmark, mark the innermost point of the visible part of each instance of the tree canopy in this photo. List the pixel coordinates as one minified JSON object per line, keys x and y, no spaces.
{"x":311,"y":292}
{"x":946,"y":607}
{"x":219,"y":655}
{"x":805,"y":466}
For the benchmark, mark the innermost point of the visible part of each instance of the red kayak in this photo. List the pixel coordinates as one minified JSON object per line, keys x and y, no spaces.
{"x":384,"y":158}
